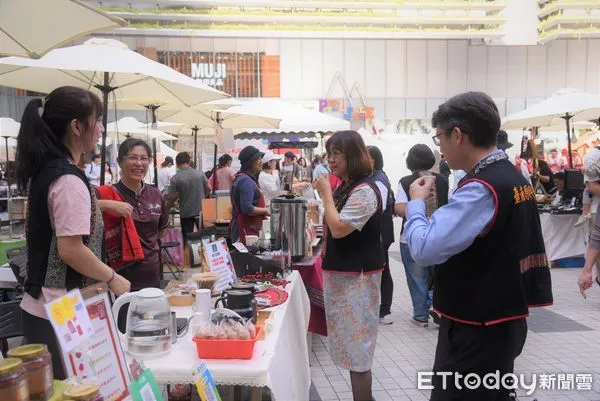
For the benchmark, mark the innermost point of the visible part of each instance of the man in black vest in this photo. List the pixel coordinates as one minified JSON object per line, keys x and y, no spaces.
{"x":489,"y":251}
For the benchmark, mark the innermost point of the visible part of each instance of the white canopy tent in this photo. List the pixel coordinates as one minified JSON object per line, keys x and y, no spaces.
{"x":293,"y":118}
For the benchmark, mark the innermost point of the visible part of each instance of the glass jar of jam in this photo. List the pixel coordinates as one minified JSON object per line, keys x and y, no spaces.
{"x":82,"y":392}
{"x":13,"y":380}
{"x":37,"y":362}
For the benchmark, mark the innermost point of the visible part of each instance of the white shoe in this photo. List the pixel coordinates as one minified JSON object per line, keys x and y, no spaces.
{"x":386,"y":320}
{"x":437,"y":319}
{"x":419,"y":323}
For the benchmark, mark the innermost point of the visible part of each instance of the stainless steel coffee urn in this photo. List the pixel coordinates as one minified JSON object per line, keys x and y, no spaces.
{"x":288,"y":227}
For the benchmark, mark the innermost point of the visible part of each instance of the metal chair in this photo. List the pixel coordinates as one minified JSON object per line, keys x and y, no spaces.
{"x":167,"y":259}
{"x":11,"y":323}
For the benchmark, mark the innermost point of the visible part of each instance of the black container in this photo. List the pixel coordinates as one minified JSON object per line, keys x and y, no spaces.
{"x":241,"y":302}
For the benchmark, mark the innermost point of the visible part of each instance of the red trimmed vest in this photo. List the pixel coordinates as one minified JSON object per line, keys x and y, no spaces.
{"x":505,"y":271}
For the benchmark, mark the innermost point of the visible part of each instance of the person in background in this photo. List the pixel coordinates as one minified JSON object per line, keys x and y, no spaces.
{"x":444,"y":169}
{"x":304,"y":170}
{"x":64,"y":235}
{"x":419,"y":161}
{"x":165,"y":173}
{"x":249,"y":208}
{"x":555,"y":161}
{"x":559,"y":181}
{"x":190,"y":186}
{"x":289,"y":166}
{"x":543,"y":176}
{"x":93,"y":170}
{"x":488,"y":248}
{"x":387,"y":231}
{"x":224,"y":175}
{"x":353,"y":259}
{"x":268,"y":179}
{"x":318,"y":167}
{"x":592,"y":182}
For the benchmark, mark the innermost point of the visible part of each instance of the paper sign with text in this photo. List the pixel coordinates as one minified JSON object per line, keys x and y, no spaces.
{"x":219,"y":261}
{"x":204,"y":383}
{"x":70,"y":320}
{"x":101,"y":359}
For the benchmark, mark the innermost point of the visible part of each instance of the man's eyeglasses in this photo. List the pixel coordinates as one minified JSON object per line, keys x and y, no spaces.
{"x":436,"y":138}
{"x":133,"y":159}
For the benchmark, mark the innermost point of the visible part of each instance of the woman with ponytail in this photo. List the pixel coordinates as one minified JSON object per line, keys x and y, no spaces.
{"x":64,"y":225}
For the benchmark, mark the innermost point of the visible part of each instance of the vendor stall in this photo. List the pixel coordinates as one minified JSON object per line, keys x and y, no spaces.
{"x":279,"y":362}
{"x":563,"y":237}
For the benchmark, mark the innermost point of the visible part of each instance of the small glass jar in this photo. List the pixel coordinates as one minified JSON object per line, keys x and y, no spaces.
{"x":82,"y":392}
{"x":37,"y":362}
{"x":13,"y":380}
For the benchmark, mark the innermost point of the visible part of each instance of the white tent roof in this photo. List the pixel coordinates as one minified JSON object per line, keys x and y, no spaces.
{"x":293,"y":118}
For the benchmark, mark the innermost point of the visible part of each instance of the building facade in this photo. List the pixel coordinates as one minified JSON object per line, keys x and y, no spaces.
{"x":398,"y":59}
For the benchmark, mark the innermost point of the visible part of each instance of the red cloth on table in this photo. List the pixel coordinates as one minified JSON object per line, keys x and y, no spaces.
{"x":122,"y":241}
{"x":313,"y":281}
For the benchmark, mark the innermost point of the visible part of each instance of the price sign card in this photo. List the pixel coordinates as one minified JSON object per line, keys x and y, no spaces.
{"x":219,"y":261}
{"x":204,"y":383}
{"x":145,"y":388}
{"x":70,"y":319}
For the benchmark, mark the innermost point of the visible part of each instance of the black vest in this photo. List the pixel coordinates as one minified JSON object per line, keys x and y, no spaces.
{"x":506,"y":268}
{"x":387,"y":222}
{"x":39,"y":233}
{"x":359,"y":251}
{"x":441,"y":189}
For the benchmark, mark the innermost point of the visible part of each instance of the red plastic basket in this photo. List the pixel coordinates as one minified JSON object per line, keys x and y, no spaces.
{"x":226,"y":349}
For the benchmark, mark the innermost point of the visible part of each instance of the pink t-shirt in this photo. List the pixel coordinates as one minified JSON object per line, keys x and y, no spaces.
{"x":70,"y":213}
{"x":225,"y":177}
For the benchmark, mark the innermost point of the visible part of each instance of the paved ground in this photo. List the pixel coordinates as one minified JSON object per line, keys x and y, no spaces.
{"x":562,"y":339}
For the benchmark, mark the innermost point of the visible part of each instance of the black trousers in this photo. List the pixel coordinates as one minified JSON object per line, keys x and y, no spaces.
{"x":187,"y":226}
{"x":40,"y":331}
{"x":387,"y":288}
{"x":465,"y":349}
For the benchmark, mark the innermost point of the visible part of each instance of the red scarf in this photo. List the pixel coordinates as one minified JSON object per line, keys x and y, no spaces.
{"x":121,"y":238}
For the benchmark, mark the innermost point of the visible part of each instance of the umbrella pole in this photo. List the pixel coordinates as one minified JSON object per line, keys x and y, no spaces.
{"x":105,"y":89}
{"x":214,"y":167}
{"x":7,"y":166}
{"x":567,"y":117}
{"x":154,"y":140}
{"x":195,"y":129}
{"x":153,"y":108}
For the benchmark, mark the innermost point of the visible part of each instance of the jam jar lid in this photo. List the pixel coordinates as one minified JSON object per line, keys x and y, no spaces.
{"x":9,"y":365}
{"x":80,"y":392}
{"x":28,"y":351}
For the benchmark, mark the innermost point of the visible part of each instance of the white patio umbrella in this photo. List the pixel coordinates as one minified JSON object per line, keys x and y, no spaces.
{"x":205,"y":116}
{"x":107,"y":66}
{"x":9,"y":130}
{"x":31,"y":28}
{"x":564,"y":107}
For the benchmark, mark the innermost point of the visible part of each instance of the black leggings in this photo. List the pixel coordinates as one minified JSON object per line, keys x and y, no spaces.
{"x":40,"y":331}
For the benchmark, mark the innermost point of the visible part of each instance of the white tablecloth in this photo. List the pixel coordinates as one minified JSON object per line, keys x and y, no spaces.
{"x":280,"y":362}
{"x":562,"y":238}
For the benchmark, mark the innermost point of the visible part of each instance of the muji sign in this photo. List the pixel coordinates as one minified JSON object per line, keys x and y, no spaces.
{"x":209,"y":73}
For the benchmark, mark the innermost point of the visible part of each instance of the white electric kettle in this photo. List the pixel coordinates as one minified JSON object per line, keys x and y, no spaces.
{"x":148,"y":330}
